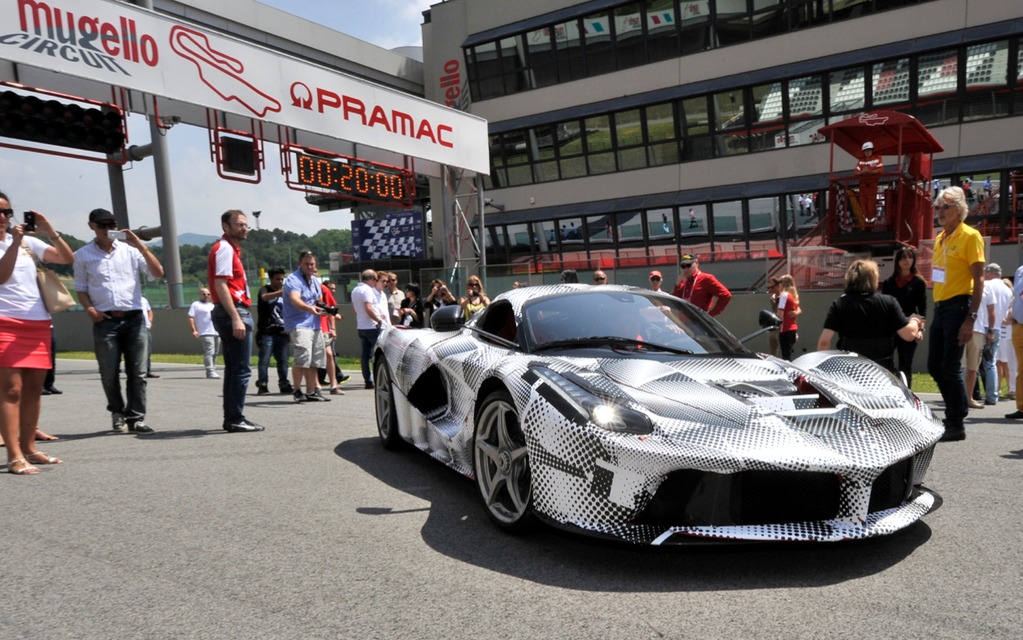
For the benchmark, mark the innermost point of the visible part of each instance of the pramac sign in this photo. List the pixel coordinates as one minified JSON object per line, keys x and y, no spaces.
{"x":130,"y":47}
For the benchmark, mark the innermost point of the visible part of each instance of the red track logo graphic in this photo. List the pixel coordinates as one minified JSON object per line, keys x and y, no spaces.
{"x":873,"y":120}
{"x":220,"y":72}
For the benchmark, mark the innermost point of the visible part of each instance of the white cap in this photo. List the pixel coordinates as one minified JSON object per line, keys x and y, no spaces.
{"x":868,"y":145}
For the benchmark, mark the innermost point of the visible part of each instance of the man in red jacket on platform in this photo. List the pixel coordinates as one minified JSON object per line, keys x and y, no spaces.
{"x":699,"y":288}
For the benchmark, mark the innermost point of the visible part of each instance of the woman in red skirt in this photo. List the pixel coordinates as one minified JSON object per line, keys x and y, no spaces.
{"x":24,"y":335}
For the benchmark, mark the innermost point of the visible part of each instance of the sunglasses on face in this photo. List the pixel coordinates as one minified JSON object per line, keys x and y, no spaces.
{"x":686,"y":265}
{"x":599,"y":279}
{"x":655,"y":278}
{"x":943,"y":207}
{"x":7,"y":212}
{"x":106,"y":225}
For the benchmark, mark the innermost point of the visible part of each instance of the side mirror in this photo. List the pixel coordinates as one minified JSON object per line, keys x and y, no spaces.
{"x":768,"y":320}
{"x":449,"y":318}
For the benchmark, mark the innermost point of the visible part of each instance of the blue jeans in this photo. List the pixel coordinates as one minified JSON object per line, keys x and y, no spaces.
{"x":127,"y":337}
{"x":277,"y":346}
{"x":237,"y":369}
{"x":368,"y":338}
{"x":989,"y":374}
{"x":944,"y":355}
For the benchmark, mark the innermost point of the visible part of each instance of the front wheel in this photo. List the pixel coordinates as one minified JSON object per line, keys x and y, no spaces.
{"x":501,"y":463}
{"x":387,"y":419}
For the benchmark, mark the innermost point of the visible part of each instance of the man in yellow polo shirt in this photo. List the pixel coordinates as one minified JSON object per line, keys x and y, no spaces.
{"x":958,"y":278}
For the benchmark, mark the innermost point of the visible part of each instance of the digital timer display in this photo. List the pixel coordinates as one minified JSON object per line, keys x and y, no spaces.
{"x":356,"y":179}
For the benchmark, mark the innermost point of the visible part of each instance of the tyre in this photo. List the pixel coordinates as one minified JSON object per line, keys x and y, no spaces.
{"x":501,"y":463}
{"x":387,"y":418}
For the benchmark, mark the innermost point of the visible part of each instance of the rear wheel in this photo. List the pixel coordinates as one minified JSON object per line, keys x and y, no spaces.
{"x":501,"y":462}
{"x":387,"y":419}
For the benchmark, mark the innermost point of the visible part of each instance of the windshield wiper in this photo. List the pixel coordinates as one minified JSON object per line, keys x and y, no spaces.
{"x":618,"y":341}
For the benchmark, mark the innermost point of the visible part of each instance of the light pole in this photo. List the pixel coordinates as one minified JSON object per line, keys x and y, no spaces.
{"x":255,"y":214}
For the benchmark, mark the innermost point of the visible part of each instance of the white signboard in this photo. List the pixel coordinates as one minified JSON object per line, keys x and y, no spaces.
{"x":130,"y":47}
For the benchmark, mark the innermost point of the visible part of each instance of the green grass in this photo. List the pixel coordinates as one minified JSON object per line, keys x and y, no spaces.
{"x":922,"y":382}
{"x":190,"y":358}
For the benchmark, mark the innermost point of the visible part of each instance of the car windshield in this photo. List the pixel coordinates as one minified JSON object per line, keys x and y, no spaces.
{"x":623,"y":319}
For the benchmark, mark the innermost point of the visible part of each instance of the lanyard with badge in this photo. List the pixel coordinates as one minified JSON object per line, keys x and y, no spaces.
{"x":938,"y":273}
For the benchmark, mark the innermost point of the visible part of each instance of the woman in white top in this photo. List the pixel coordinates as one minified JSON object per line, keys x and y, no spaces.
{"x":24,"y":335}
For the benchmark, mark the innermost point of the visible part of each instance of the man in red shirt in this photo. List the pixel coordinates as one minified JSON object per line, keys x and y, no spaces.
{"x":699,"y":288}
{"x":232,"y":318}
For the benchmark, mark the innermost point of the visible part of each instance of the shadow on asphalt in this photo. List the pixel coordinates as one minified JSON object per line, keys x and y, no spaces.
{"x":458,"y":527}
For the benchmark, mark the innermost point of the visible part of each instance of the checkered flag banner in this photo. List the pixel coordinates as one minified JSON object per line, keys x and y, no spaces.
{"x":397,"y":235}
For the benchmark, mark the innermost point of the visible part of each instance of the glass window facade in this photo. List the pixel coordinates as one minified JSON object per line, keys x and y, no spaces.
{"x":972,"y":82}
{"x":634,"y":33}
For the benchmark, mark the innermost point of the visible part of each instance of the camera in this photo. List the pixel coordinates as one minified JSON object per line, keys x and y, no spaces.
{"x":330,"y":311}
{"x":116,"y":235}
{"x":30,"y":220}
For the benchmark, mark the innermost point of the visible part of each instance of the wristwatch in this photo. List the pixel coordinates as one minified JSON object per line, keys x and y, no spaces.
{"x":973,"y":315}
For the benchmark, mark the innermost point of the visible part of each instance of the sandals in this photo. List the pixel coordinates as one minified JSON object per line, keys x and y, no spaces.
{"x":41,"y":458}
{"x":42,"y":435}
{"x":21,"y":467}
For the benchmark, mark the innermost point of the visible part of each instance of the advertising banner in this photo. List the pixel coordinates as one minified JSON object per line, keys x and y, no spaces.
{"x":130,"y":47}
{"x":398,"y":235}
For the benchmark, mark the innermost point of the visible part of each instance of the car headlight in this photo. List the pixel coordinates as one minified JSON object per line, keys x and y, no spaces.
{"x":606,"y":413}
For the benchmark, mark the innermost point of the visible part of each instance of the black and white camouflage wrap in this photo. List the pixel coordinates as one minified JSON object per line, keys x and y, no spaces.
{"x":710,"y":415}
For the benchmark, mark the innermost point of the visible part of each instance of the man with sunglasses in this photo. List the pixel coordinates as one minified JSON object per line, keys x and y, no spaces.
{"x":655,"y":280}
{"x":957,"y":273}
{"x":108,"y":285}
{"x":699,"y":288}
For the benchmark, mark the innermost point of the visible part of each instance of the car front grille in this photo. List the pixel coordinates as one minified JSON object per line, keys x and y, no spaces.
{"x":698,"y":498}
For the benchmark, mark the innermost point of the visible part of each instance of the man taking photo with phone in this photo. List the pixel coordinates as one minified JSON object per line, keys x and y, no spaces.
{"x":107,"y":281}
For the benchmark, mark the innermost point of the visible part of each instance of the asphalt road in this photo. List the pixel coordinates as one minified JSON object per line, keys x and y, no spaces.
{"x":312,"y":530}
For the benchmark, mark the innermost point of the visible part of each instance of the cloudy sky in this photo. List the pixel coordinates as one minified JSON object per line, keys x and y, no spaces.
{"x":200,"y":196}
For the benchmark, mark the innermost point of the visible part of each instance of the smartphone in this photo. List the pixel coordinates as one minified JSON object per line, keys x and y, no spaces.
{"x":116,"y":235}
{"x":30,"y":220}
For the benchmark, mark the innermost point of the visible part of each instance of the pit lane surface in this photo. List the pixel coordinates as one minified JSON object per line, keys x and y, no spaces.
{"x":311,"y":529}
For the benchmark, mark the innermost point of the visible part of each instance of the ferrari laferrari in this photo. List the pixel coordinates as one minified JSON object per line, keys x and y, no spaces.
{"x":628,"y":414}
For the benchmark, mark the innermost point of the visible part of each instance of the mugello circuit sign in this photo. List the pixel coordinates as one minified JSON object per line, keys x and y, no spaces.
{"x":133,"y":48}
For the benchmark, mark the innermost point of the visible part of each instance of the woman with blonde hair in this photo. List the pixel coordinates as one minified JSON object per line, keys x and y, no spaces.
{"x":866,"y":321}
{"x":24,"y":335}
{"x":475,"y":299}
{"x":787,"y":308}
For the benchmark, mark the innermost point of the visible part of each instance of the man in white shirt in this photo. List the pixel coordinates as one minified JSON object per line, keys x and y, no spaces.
{"x":200,"y":319}
{"x":1001,"y":297}
{"x":107,"y":281}
{"x":369,"y":318}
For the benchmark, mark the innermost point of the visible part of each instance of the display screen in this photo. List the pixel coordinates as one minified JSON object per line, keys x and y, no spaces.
{"x":356,"y":179}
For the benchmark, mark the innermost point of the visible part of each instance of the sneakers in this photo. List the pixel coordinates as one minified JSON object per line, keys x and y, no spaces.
{"x":336,"y":391}
{"x":141,"y":428}
{"x":287,"y":388}
{"x":316,"y":396}
{"x":300,"y":397}
{"x":118,"y":423}
{"x":343,"y":378}
{"x":243,"y":426}
{"x":261,"y":389}
{"x":212,"y":374}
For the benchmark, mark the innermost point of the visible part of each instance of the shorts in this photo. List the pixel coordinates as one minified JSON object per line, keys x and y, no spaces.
{"x":307,"y":349}
{"x":972,"y":352}
{"x":24,"y":344}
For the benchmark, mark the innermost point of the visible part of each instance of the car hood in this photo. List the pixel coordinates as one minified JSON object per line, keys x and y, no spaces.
{"x":820,"y":409}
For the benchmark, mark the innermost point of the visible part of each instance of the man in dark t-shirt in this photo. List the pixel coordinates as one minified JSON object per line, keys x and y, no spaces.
{"x":270,"y":336}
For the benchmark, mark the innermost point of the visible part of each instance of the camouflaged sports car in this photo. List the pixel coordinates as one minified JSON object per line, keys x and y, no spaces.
{"x":623,"y":413}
